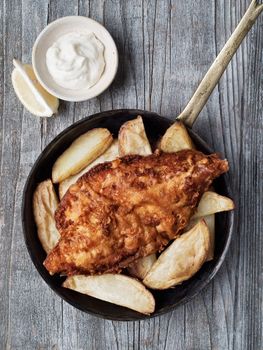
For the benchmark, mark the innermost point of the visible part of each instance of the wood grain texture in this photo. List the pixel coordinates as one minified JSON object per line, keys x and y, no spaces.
{"x":165,"y":48}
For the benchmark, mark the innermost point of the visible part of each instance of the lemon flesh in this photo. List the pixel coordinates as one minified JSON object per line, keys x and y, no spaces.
{"x":32,"y":98}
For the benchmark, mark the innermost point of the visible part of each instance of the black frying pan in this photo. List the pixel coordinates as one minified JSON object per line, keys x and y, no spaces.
{"x":155,"y":126}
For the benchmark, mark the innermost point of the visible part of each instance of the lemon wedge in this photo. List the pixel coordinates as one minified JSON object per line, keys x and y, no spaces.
{"x":30,"y":93}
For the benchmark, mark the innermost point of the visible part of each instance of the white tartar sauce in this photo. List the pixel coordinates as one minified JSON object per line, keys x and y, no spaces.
{"x":76,"y":61}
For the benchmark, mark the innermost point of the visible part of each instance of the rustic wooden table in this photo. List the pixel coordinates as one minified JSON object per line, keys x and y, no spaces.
{"x":165,"y":47}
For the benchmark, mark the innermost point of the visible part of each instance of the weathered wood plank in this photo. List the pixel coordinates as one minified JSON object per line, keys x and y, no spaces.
{"x":165,"y":48}
{"x":26,"y":324}
{"x":10,"y":156}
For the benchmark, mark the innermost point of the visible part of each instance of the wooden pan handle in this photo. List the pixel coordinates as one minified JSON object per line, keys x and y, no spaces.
{"x":207,"y":85}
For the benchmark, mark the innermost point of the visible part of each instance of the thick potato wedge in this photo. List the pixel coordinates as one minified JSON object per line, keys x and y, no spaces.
{"x":212,"y":203}
{"x":45,"y":203}
{"x":80,"y":153}
{"x":175,"y":139}
{"x":117,"y":289}
{"x":132,"y":138}
{"x":181,"y":260}
{"x":142,"y":266}
{"x":210,"y":221}
{"x":111,"y":153}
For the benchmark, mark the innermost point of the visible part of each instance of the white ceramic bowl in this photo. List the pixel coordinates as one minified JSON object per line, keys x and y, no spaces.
{"x":63,"y":26}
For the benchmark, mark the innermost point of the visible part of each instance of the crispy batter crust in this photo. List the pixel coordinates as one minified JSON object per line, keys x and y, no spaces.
{"x":129,"y":208}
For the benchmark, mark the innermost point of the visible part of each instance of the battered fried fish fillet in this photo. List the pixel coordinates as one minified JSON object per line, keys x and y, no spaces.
{"x":129,"y":208}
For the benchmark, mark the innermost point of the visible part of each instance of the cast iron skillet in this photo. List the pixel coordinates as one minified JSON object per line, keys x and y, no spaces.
{"x":155,"y":126}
